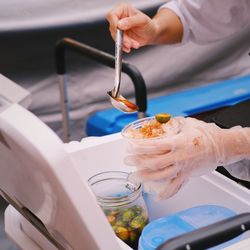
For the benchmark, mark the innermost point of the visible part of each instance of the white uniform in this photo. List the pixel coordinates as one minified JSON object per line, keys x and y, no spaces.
{"x":206,"y":21}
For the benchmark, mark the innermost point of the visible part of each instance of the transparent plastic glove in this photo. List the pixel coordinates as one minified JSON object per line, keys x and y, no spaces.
{"x":196,"y":149}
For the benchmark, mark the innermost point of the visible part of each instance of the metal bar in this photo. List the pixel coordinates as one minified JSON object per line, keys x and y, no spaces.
{"x":34,"y":220}
{"x":64,"y":103}
{"x":103,"y":58}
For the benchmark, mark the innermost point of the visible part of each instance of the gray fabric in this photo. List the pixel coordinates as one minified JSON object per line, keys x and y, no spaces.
{"x":38,"y":14}
{"x":29,"y":30}
{"x":240,"y":169}
{"x":28,"y":59}
{"x":165,"y":69}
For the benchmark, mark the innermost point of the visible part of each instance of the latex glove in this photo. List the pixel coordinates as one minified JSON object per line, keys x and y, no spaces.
{"x":196,"y":149}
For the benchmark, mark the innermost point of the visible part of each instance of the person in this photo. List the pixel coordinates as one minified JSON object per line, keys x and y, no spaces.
{"x":199,"y":147}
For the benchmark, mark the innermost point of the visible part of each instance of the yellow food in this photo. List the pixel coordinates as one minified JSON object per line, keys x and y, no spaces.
{"x":163,"y":117}
{"x":122,"y":233}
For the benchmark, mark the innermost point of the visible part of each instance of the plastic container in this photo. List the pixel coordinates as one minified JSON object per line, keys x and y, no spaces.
{"x":122,"y":203}
{"x":159,"y":231}
{"x":148,"y":133}
{"x":148,"y":128}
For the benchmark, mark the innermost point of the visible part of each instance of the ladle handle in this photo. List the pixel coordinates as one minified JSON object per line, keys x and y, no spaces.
{"x":118,"y":62}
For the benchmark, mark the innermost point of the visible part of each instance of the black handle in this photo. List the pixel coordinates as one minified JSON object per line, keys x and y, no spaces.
{"x":106,"y":59}
{"x":211,"y":235}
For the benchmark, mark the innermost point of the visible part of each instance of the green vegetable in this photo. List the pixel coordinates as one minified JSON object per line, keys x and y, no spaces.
{"x":133,"y":236}
{"x":138,"y":210}
{"x":128,"y":215}
{"x":122,"y":233}
{"x":120,"y":223}
{"x":138,"y":222}
{"x":127,"y":223}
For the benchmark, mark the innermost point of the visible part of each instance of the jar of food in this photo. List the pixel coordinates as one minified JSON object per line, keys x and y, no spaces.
{"x":122,"y":203}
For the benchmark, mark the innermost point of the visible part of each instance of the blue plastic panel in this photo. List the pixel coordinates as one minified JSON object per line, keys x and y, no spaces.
{"x":184,"y":103}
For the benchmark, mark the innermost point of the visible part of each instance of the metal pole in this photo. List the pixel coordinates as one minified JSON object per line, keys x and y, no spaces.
{"x":64,"y":103}
{"x":100,"y":57}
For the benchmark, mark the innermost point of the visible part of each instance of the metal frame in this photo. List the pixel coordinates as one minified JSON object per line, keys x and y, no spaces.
{"x":103,"y":58}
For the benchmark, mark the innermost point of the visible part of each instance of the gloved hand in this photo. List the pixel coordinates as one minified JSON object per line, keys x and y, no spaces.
{"x":196,"y":149}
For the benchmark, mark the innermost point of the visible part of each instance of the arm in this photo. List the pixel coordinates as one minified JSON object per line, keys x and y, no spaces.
{"x":179,"y":21}
{"x":168,"y":26}
{"x":140,"y":30}
{"x":197,"y":149}
{"x":208,"y":21}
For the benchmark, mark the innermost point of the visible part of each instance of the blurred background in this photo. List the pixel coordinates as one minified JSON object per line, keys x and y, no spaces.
{"x":29,"y":32}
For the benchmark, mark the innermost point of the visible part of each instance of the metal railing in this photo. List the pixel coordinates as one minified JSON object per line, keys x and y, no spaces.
{"x":100,"y":57}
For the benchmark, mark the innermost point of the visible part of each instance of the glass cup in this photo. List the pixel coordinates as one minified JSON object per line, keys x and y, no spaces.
{"x":148,"y":133}
{"x":122,"y":203}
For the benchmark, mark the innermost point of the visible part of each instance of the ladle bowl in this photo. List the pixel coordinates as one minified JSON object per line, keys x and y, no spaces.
{"x":122,"y":104}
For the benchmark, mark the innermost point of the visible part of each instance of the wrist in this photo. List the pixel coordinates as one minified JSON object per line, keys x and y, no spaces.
{"x":236,"y":143}
{"x":156,"y":32}
{"x":168,"y":28}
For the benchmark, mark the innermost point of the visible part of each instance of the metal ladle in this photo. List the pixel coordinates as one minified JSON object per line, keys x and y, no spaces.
{"x":116,"y":99}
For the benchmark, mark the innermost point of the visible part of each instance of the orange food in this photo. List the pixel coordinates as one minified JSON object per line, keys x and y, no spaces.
{"x":149,"y":129}
{"x":111,"y":219}
{"x":128,"y":103}
{"x":152,"y":129}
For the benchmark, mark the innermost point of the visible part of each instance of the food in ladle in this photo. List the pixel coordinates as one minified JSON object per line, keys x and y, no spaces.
{"x":129,"y":104}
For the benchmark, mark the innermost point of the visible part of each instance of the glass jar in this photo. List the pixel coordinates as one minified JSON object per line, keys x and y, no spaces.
{"x":122,"y":203}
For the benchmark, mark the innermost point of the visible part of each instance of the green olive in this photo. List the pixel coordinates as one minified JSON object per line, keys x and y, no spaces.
{"x":128,"y":215}
{"x":133,"y":236}
{"x":122,"y":233}
{"x":138,"y":222}
{"x":138,"y":210}
{"x":120,"y":223}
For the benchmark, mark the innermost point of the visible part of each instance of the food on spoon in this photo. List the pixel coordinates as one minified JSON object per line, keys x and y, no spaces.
{"x":129,"y":104}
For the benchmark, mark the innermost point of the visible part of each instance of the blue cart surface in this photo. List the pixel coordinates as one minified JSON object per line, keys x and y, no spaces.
{"x":183,"y":103}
